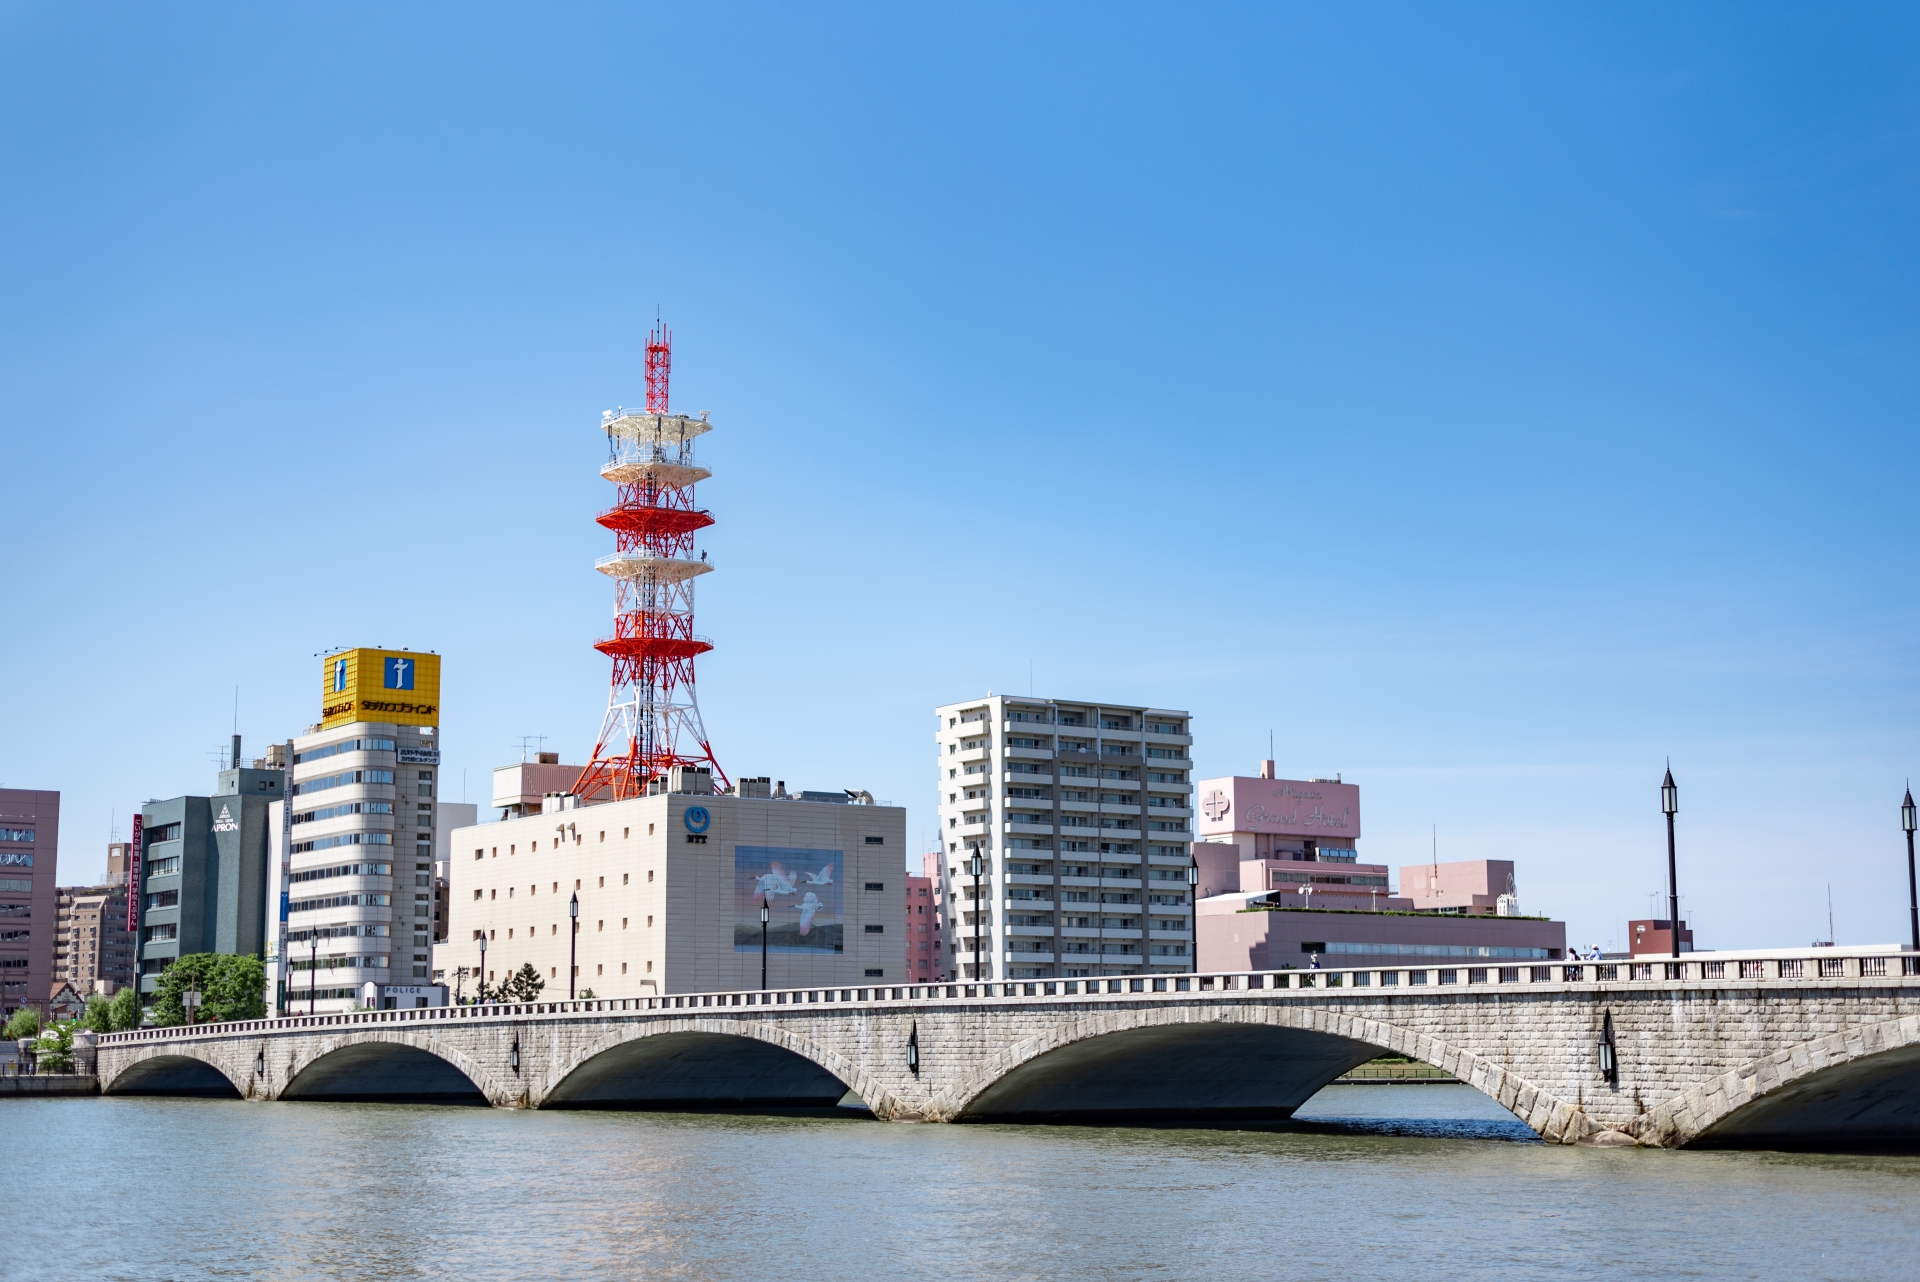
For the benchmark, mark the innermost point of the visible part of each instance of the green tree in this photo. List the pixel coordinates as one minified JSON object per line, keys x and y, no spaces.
{"x":125,"y":1009}
{"x":523,"y":985}
{"x":230,"y":987}
{"x":99,"y":1016}
{"x":54,"y":1050}
{"x":25,"y":1023}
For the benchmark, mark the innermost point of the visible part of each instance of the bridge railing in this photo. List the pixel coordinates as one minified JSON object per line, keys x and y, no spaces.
{"x":1757,"y":968}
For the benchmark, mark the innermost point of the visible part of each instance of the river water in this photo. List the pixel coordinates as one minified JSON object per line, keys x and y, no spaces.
{"x":1386,"y":1182}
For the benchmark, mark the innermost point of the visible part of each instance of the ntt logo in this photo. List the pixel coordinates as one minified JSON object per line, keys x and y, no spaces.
{"x":697,"y":818}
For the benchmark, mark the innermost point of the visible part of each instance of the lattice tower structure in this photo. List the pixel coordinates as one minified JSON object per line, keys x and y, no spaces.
{"x":653,"y":721}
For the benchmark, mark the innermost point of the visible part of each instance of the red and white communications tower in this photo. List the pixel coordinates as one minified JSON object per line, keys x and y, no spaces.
{"x":653,"y":723}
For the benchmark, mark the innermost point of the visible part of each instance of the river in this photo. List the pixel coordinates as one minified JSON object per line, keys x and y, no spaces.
{"x":1372,"y":1182}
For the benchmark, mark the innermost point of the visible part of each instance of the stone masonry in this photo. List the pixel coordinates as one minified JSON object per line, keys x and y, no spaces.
{"x":1693,"y":1057}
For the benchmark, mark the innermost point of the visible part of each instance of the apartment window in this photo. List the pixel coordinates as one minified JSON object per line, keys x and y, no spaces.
{"x":576,"y":885}
{"x":876,"y":974}
{"x":600,"y":925}
{"x":623,"y":968}
{"x":476,"y":894}
{"x":623,"y":879}
{"x":603,"y":836}
{"x":876,"y":841}
{"x":876,"y":885}
{"x":649,"y":919}
{"x":625,"y":833}
{"x":876,"y":930}
{"x":649,"y":874}
{"x":477,"y":854}
{"x":493,"y":894}
{"x":599,"y":970}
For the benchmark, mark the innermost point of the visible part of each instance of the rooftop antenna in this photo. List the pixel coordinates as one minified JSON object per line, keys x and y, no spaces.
{"x":1433,"y":877}
{"x":539,"y":740}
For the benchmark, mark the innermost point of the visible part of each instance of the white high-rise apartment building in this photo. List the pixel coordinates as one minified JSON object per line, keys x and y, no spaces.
{"x":358,"y":882}
{"x":1082,"y":814}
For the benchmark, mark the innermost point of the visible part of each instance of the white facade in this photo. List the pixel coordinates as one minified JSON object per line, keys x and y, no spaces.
{"x":360,"y":894}
{"x":1082,"y":814}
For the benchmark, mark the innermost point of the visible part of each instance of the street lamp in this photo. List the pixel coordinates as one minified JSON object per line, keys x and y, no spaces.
{"x":313,"y":969}
{"x":766,"y":915}
{"x":1913,"y":893}
{"x":976,"y":866}
{"x":1193,"y":909}
{"x":573,"y":943}
{"x":481,"y":994}
{"x":1670,"y":805}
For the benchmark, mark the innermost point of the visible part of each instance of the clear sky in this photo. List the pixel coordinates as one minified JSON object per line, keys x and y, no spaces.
{"x":1490,"y":403}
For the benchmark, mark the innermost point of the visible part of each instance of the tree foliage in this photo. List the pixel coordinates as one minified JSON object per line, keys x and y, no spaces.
{"x":125,"y":1009}
{"x":25,"y":1023}
{"x":54,"y":1050}
{"x":524,"y":985}
{"x":230,"y":987}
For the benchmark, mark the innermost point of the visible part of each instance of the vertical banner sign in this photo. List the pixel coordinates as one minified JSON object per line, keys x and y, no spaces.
{"x":286,"y":880}
{"x":133,"y":883}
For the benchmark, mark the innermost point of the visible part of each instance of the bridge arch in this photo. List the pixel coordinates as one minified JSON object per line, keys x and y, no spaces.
{"x":1140,"y":1062}
{"x":708,"y":1063}
{"x":391,"y":1065}
{"x":1855,"y":1088}
{"x":187,"y":1069}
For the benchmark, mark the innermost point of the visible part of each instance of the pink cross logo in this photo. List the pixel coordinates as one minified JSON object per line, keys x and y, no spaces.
{"x":1216,"y":805}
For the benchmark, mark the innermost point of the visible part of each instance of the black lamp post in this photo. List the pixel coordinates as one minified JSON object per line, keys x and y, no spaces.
{"x":976,"y":866}
{"x":573,"y":943}
{"x":1913,"y":892}
{"x":1670,"y":806}
{"x":1193,"y":909}
{"x":480,"y":995}
{"x":766,"y":915}
{"x":313,"y":970}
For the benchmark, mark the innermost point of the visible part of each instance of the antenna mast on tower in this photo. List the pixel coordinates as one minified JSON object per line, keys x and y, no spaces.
{"x":652,"y":724}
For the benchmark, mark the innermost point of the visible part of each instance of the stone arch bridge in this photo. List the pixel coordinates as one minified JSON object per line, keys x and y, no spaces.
{"x":1774,"y":1051}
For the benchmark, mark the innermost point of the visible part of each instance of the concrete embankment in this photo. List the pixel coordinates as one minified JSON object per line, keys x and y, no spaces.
{"x":12,"y":1087}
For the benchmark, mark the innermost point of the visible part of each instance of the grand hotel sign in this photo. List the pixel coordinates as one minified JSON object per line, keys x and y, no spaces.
{"x":1283,"y":807}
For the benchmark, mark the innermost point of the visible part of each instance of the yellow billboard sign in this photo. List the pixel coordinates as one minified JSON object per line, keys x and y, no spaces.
{"x":400,"y":687}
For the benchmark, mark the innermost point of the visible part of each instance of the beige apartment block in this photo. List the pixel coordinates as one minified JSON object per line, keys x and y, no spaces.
{"x":1081,"y":814}
{"x":670,"y":888}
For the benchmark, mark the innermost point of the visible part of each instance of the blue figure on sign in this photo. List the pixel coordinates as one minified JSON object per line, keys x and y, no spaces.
{"x":399,"y":674}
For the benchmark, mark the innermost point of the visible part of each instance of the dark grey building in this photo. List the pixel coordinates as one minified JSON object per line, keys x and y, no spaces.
{"x":203,"y":871}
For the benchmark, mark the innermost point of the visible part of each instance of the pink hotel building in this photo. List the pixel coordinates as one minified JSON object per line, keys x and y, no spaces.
{"x":1281,"y":882}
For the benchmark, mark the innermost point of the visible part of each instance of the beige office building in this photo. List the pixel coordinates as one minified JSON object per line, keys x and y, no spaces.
{"x":670,"y":889}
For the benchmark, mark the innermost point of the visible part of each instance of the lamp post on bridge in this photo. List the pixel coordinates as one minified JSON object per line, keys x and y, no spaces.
{"x":766,"y":915}
{"x":481,"y":989}
{"x":313,"y":969}
{"x":573,"y":943}
{"x":1913,"y":891}
{"x":1193,"y":908}
{"x":976,"y":866}
{"x":1670,"y":805}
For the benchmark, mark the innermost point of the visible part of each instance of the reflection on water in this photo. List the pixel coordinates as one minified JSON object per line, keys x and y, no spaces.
{"x":1374,"y":1182}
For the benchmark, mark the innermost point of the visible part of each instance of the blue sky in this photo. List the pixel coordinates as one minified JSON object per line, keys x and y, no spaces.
{"x":1489,"y":402}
